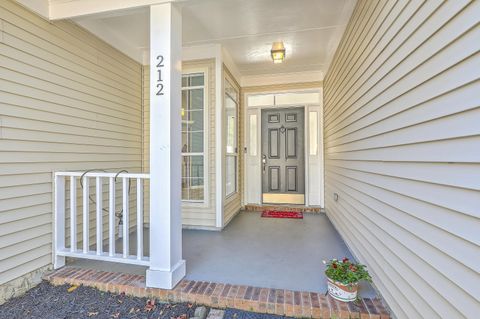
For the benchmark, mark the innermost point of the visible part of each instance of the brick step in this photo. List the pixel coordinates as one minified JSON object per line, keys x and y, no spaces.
{"x":263,"y":300}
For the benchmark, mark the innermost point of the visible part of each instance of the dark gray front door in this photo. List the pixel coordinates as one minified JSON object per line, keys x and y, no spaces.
{"x":283,"y":167}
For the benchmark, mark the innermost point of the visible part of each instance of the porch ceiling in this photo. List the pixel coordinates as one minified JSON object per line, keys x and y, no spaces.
{"x":310,"y":29}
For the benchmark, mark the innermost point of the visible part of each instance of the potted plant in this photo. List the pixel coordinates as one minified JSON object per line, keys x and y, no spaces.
{"x":343,"y":277}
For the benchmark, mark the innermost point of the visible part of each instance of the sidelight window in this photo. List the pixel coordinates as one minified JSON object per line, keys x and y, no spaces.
{"x":231,"y":128}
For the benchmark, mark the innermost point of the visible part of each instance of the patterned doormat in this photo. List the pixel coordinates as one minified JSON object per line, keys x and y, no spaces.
{"x":282,"y":214}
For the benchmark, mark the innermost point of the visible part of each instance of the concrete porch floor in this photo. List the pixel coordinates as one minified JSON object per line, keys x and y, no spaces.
{"x":255,"y":251}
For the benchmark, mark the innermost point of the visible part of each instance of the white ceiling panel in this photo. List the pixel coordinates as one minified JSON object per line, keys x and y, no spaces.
{"x":310,"y":30}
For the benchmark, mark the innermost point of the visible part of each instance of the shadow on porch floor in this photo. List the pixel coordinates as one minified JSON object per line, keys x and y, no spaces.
{"x":255,"y":251}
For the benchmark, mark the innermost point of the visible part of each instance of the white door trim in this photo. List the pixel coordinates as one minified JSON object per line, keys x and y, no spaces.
{"x":252,"y":167}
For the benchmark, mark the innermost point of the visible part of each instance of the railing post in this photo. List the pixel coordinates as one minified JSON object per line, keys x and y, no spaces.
{"x":59,"y":221}
{"x":139,"y":218}
{"x":167,"y":267}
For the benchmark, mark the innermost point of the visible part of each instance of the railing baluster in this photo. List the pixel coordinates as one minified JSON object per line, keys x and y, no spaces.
{"x":139,"y":218}
{"x":95,"y":202}
{"x":86,"y":217}
{"x":126,"y":216}
{"x":99,"y":200}
{"x":111,"y":218}
{"x":73,"y":213}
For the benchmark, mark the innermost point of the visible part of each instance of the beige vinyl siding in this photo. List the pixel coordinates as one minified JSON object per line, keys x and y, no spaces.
{"x":68,"y":101}
{"x":196,"y":215}
{"x":402,"y":147}
{"x":233,"y":203}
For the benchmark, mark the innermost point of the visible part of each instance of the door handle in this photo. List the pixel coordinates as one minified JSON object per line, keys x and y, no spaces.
{"x":264,"y":162}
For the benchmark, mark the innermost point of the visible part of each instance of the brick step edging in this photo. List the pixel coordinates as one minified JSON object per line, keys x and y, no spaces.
{"x":263,"y":300}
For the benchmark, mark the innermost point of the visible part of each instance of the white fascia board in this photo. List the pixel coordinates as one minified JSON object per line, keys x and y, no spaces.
{"x":40,"y":7}
{"x":281,"y":78}
{"x":76,"y":8}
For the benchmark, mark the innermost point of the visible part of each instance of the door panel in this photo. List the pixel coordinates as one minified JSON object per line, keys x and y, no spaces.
{"x":283,"y":178}
{"x":292,"y":180}
{"x":291,"y":143}
{"x":273,"y":143}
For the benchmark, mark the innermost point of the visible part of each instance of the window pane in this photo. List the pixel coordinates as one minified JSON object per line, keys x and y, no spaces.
{"x":192,"y":142}
{"x":196,"y":99}
{"x":192,"y":121}
{"x":231,"y":174}
{"x":192,"y":177}
{"x":192,"y":80}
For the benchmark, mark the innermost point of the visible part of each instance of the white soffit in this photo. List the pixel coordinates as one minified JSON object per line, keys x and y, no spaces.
{"x":245,"y":30}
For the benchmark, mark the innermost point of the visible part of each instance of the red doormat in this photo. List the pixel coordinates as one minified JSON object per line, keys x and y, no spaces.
{"x":280,"y":214}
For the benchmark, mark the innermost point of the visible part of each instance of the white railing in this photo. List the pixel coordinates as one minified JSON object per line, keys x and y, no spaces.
{"x":61,"y":250}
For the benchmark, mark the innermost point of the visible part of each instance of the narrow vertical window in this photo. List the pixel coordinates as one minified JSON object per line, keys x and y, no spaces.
{"x":253,"y":135}
{"x":193,"y":137}
{"x":231,"y":129}
{"x":313,"y":132}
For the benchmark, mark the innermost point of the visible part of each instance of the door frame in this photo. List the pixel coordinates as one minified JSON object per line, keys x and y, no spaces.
{"x":257,"y":109}
{"x":305,"y":150}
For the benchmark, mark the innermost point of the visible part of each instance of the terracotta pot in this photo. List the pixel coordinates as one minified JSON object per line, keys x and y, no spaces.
{"x":341,"y":291}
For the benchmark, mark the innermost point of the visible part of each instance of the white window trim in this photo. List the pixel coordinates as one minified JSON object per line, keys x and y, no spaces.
{"x":231,"y":82}
{"x":206,"y":146}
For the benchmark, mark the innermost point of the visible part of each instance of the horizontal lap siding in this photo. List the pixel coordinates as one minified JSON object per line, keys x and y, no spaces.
{"x":402,"y":146}
{"x":68,"y":101}
{"x":192,"y":215}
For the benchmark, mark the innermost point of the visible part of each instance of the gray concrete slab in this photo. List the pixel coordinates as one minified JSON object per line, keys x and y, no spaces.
{"x":263,"y":252}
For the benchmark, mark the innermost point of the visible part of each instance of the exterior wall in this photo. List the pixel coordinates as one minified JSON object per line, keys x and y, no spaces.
{"x":193,"y":215}
{"x":68,"y":101}
{"x":402,"y":146}
{"x":233,"y":204}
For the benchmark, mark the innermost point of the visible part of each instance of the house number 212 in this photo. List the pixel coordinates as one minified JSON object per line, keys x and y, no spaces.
{"x":159,"y":71}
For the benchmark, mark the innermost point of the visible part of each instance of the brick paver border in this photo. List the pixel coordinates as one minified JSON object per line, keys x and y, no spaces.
{"x":273,"y":301}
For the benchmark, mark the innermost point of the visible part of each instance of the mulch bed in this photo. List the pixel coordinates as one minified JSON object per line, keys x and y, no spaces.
{"x":59,"y":302}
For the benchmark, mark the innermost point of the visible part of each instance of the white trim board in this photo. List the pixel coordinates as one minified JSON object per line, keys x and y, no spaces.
{"x":252,"y":165}
{"x":281,"y":78}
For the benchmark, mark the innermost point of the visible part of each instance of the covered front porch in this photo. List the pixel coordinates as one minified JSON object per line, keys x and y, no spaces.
{"x":253,"y":251}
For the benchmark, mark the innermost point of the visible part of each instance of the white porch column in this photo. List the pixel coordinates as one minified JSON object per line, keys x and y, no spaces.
{"x":166,"y":265}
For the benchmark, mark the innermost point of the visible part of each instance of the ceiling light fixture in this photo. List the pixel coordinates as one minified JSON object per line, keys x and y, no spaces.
{"x":278,"y":52}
